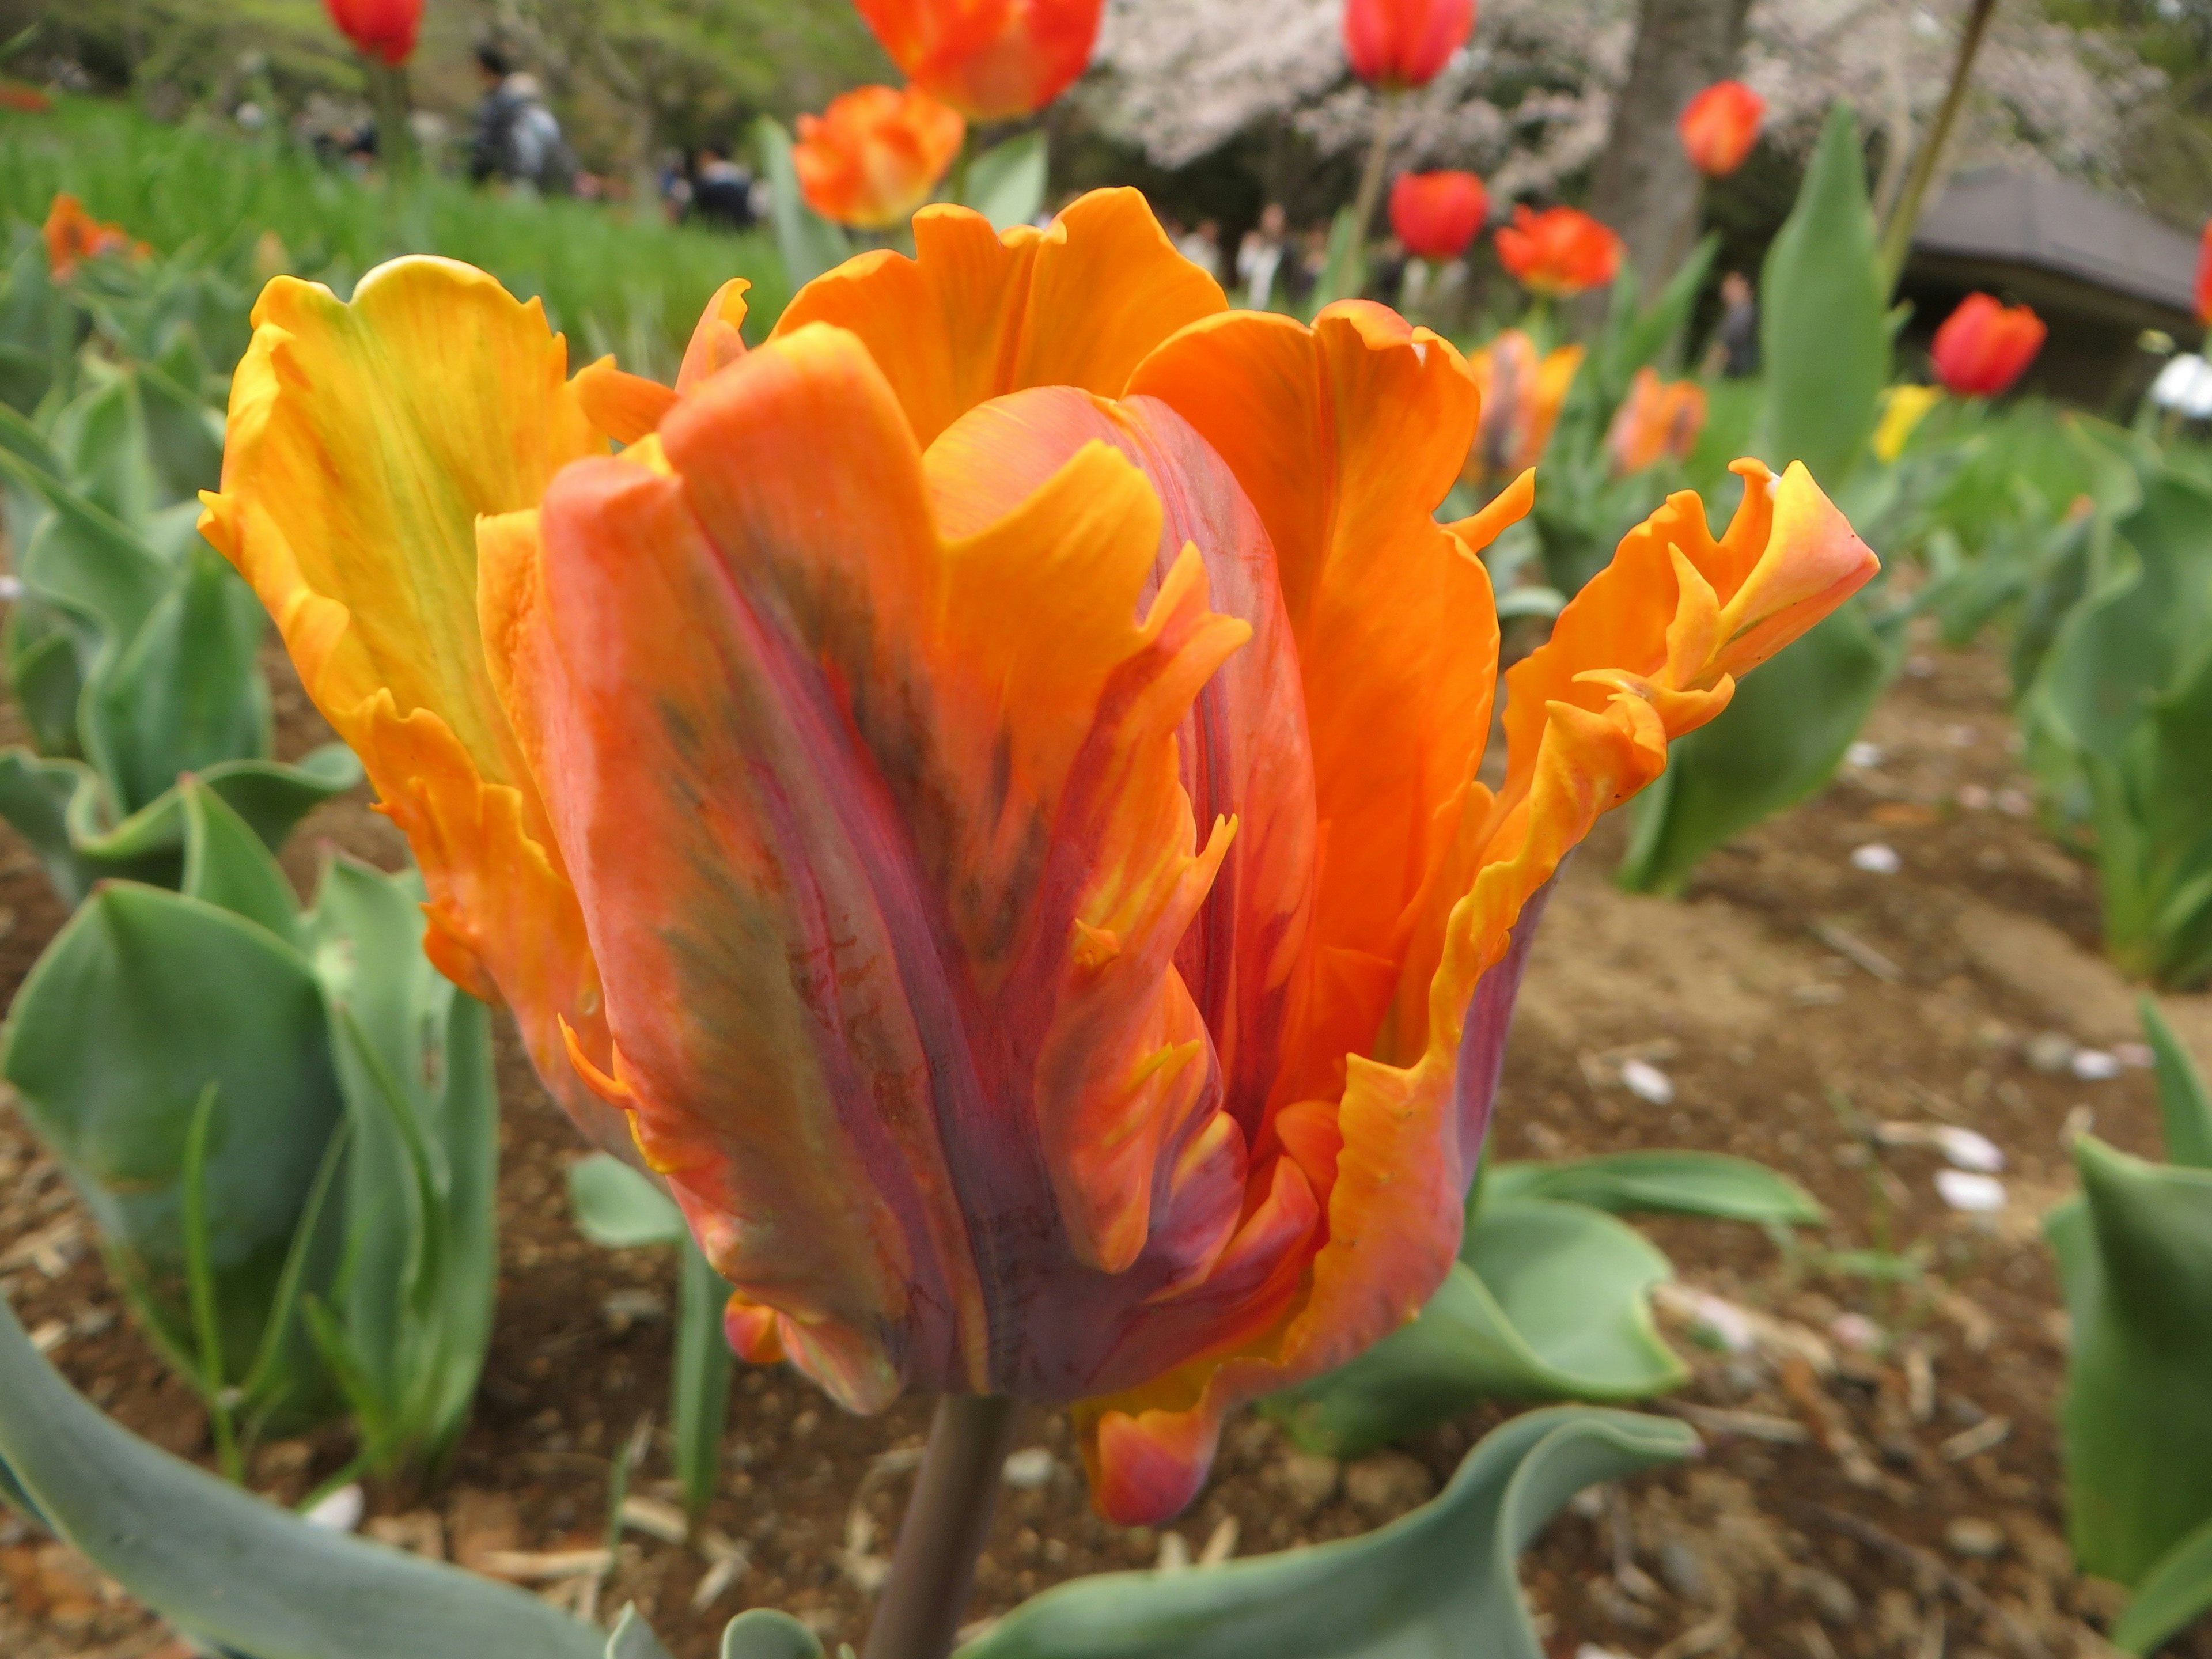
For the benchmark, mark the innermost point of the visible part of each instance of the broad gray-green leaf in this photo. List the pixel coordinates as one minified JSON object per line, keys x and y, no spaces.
{"x":142,"y":1002}
{"x":227,"y":865}
{"x":1006,"y":184}
{"x":1439,"y":1583}
{"x":1823,"y":329}
{"x":1710,"y":1184}
{"x":1549,"y":1301}
{"x":763,"y":1633}
{"x":2134,"y":1259}
{"x":618,"y":1208}
{"x":234,"y":1571}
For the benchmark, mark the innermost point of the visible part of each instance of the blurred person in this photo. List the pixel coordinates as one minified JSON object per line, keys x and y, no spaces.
{"x":1202,"y":247}
{"x":1260,"y":256}
{"x":721,"y":191}
{"x":1734,"y":349}
{"x":514,"y":138}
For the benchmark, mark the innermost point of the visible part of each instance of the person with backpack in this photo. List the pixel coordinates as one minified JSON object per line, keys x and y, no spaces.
{"x":513,"y":136}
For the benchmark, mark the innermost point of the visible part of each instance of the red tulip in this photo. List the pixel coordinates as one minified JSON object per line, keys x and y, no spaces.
{"x":1560,"y":251}
{"x":1436,"y":214}
{"x":1400,"y":43}
{"x":2204,"y":277}
{"x":1984,"y":347}
{"x":990,"y":59}
{"x":383,"y":29}
{"x":1720,"y":126}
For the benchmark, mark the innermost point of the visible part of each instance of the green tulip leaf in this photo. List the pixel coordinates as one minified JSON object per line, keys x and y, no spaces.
{"x":633,"y":1639}
{"x":1006,"y":184}
{"x":1824,"y":330}
{"x":1710,"y":1184}
{"x":763,"y":1633}
{"x":235,"y":1570}
{"x":1548,"y":1301}
{"x":620,"y":1208}
{"x":227,"y":865}
{"x":2135,"y":1259}
{"x":2184,"y":1102}
{"x":1438,"y":1582}
{"x":2173,"y":1594}
{"x":809,"y":243}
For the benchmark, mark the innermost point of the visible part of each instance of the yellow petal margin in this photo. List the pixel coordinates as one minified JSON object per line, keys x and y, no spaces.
{"x":365,"y":443}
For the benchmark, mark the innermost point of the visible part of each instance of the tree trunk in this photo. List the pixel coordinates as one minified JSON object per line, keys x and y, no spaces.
{"x":1645,"y":187}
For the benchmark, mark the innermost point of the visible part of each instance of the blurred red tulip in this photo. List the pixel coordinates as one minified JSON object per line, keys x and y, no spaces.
{"x":873,"y":157}
{"x":2204,"y":277}
{"x":990,"y":59}
{"x":1720,"y":126}
{"x":24,"y":101}
{"x":1560,"y":251}
{"x":1404,"y":43}
{"x":1983,"y":347}
{"x":1436,"y":214}
{"x":73,"y":235}
{"x":382,"y":29}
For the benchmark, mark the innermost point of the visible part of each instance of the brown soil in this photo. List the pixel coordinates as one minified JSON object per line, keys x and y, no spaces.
{"x":1870,"y":1529}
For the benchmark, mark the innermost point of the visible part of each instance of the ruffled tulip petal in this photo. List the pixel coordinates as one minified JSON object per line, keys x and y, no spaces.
{"x":973,"y":315}
{"x":365,"y":442}
{"x":718,"y":341}
{"x":1346,"y":436}
{"x":1243,"y":748}
{"x":894,"y":793}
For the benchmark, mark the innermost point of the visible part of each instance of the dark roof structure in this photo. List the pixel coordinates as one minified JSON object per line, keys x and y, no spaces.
{"x":2098,"y":269}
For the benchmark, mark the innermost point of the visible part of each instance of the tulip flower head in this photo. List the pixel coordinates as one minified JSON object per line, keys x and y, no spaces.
{"x":1983,"y":346}
{"x":990,"y":59}
{"x":875,"y":154}
{"x":1559,"y":252}
{"x":984,"y":785}
{"x":1399,"y":44}
{"x":1436,"y":214}
{"x":2205,"y":276}
{"x":1720,"y":126}
{"x":73,"y":236}
{"x":1657,"y":419}
{"x":1522,"y":393}
{"x":382,"y":29}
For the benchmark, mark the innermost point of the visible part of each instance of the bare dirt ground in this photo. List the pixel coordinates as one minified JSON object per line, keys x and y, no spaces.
{"x":1881,"y":1475}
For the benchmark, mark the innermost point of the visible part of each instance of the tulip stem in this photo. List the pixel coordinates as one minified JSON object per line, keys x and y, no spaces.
{"x":1904,"y":217}
{"x":947,"y":1520}
{"x":1370,"y":177}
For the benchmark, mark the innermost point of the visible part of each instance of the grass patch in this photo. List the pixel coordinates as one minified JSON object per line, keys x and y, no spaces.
{"x":611,"y":282}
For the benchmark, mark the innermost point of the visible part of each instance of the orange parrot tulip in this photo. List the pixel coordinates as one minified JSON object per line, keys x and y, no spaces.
{"x":1720,"y":126}
{"x":1560,"y":251}
{"x":1984,"y":346}
{"x":72,"y":236}
{"x":1522,"y":395}
{"x":986,"y":782}
{"x":875,"y":153}
{"x":1656,"y":418}
{"x":992,"y":60}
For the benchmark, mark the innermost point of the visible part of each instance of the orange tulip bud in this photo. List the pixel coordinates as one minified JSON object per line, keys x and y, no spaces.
{"x":1522,"y":394}
{"x":990,"y":59}
{"x":1402,"y":44}
{"x":1436,"y":214}
{"x":1720,"y":126}
{"x":382,"y":29}
{"x":1983,"y":347}
{"x":875,"y":154}
{"x":985,"y":789}
{"x":72,"y":236}
{"x":1560,"y":251}
{"x":1656,"y":418}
